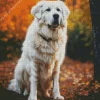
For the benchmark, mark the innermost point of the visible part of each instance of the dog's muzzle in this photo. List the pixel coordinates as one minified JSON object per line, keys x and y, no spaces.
{"x":55,"y":23}
{"x":53,"y":26}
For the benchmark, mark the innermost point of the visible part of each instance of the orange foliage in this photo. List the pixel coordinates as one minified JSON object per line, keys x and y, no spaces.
{"x":15,"y":16}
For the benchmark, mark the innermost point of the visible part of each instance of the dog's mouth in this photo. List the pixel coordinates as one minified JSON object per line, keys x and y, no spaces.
{"x":53,"y":26}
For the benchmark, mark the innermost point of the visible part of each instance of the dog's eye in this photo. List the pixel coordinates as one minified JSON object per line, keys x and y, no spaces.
{"x":48,"y":9}
{"x":58,"y":9}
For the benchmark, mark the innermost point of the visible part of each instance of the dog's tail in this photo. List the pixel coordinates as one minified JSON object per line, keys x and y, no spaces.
{"x":13,"y":86}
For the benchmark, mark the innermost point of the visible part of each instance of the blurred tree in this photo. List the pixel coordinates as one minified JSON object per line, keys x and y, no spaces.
{"x":73,"y":4}
{"x":80,"y":38}
{"x":5,"y":6}
{"x":95,"y":6}
{"x":18,"y":24}
{"x":79,"y":24}
{"x":12,"y":34}
{"x":85,"y":8}
{"x":80,"y":42}
{"x":9,"y":47}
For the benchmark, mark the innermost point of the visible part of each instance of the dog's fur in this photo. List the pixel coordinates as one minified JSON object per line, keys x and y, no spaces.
{"x":41,"y":59}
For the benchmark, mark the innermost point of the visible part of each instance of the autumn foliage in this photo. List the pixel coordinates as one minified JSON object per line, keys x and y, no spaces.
{"x":75,"y":78}
{"x":15,"y":18}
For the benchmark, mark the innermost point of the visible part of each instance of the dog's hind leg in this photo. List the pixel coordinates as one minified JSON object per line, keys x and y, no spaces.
{"x":13,"y":86}
{"x":17,"y":83}
{"x":27,"y":87}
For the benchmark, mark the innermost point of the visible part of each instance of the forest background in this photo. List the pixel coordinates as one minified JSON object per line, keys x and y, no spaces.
{"x":77,"y":70}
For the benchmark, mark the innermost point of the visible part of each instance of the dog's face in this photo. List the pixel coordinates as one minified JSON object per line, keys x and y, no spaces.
{"x":51,"y":13}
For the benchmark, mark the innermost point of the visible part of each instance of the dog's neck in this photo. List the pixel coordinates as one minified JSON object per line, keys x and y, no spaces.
{"x":47,"y":39}
{"x":48,"y":34}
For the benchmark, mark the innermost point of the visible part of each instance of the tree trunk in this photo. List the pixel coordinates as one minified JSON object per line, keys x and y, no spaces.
{"x":95,"y":15}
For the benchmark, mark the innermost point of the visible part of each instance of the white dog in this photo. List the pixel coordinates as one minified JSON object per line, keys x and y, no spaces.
{"x":43,"y":51}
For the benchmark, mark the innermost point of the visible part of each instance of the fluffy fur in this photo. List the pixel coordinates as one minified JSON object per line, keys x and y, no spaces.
{"x":41,"y":60}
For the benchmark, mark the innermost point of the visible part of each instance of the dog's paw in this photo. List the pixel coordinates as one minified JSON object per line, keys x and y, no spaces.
{"x":47,"y":95}
{"x":25,"y":92}
{"x":59,"y":97}
{"x":29,"y":98}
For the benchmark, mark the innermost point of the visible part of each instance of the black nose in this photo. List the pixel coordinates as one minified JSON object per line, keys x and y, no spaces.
{"x":55,"y":16}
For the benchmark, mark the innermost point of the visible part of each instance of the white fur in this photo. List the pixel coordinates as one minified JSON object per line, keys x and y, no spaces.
{"x":41,"y":60}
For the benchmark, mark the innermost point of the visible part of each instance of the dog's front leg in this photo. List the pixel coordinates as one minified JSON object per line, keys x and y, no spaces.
{"x":56,"y":91}
{"x":33,"y":88}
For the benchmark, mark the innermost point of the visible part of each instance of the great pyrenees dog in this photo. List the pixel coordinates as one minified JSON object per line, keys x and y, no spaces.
{"x":43,"y":51}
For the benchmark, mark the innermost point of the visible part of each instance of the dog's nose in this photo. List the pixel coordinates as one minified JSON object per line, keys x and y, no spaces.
{"x":55,"y":16}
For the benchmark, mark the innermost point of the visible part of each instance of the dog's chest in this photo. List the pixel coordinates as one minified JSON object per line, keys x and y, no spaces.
{"x":48,"y":51}
{"x":45,"y":70}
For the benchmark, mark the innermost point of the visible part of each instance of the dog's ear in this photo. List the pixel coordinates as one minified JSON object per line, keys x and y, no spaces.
{"x":36,"y":10}
{"x":66,"y":11}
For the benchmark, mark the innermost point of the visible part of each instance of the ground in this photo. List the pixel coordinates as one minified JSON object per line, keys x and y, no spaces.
{"x":76,"y":81}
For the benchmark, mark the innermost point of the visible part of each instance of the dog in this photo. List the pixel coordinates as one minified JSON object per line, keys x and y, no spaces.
{"x":43,"y":51}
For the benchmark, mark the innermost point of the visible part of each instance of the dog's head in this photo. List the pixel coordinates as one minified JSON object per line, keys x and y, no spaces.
{"x":51,"y":13}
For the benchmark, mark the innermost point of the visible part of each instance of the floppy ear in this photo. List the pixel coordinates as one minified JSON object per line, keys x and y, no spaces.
{"x":66,"y":12}
{"x":36,"y":11}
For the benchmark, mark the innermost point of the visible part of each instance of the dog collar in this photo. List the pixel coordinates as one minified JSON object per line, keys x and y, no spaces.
{"x":47,"y":39}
